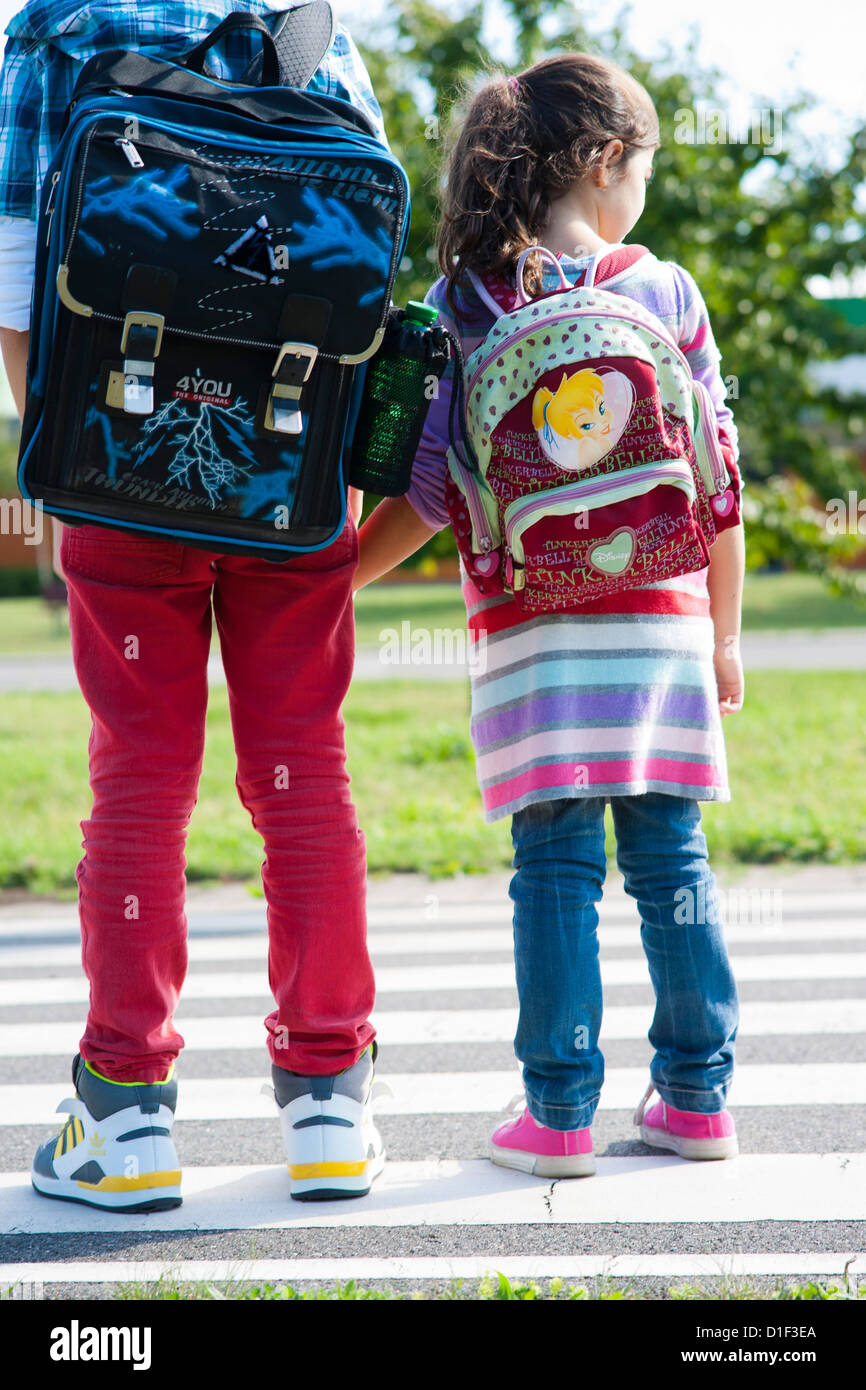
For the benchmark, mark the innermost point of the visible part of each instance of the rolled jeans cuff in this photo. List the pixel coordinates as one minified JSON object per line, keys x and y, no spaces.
{"x":711,"y":1102}
{"x":562,"y":1117}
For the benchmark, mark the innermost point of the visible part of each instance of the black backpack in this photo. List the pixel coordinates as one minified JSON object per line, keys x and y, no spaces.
{"x":214,"y":274}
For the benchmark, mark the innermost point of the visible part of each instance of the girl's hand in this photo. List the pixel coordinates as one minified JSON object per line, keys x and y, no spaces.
{"x":729,"y":675}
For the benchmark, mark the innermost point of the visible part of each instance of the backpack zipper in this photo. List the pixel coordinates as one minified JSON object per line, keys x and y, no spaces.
{"x":516,"y":334}
{"x":483,"y":543}
{"x":49,"y":206}
{"x":244,"y":145}
{"x":706,"y":412}
{"x":598,"y":492}
{"x":718,"y":475}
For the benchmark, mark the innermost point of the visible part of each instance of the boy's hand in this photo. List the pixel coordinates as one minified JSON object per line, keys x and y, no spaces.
{"x":356,"y":504}
{"x":56,"y":539}
{"x":729,"y":674}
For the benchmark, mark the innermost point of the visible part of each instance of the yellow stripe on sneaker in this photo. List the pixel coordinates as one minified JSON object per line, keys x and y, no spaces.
{"x":66,"y":1139}
{"x":169,"y":1177}
{"x":327,"y":1170}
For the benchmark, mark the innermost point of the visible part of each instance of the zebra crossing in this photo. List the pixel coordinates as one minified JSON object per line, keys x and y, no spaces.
{"x":791,"y":1207}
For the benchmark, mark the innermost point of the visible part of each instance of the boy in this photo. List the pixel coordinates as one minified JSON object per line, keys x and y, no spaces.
{"x":287,"y":641}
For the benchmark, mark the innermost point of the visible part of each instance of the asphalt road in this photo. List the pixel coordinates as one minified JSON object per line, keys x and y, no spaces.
{"x":833,"y":649}
{"x":793,"y":1205}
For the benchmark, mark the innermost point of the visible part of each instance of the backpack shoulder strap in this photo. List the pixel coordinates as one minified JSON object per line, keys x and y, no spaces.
{"x":501,"y":297}
{"x":605,"y":266}
{"x":494,"y":291}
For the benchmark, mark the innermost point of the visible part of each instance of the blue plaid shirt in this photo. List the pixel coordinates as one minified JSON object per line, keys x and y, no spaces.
{"x":49,"y":41}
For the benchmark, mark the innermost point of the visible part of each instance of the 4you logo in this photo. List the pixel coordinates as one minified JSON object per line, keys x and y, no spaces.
{"x":205,"y":390}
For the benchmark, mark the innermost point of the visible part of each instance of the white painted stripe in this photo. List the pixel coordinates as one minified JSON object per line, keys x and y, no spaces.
{"x":467,"y":1093}
{"x":475,"y":1192}
{"x":430,"y":907}
{"x":422,"y":979}
{"x":455,"y":941}
{"x":450,"y":942}
{"x":733,"y":1264}
{"x":759,"y":1018}
{"x":826,"y":911}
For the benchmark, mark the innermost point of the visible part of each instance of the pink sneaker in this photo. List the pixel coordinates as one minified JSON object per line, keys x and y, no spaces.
{"x":687,"y":1132}
{"x":548,"y":1153}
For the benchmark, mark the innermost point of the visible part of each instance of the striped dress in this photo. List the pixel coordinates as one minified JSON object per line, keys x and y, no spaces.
{"x":618,"y":698}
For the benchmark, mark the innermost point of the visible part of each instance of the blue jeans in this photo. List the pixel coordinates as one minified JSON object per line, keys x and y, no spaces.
{"x":560,"y":866}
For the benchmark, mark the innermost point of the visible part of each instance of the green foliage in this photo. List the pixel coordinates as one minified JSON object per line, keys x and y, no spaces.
{"x":8,"y":468}
{"x":493,"y":1287}
{"x":19,"y":583}
{"x":797,"y":767}
{"x":752,"y":243}
{"x":443,"y":743}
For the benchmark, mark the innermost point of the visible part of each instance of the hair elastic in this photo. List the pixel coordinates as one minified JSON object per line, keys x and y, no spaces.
{"x":514,"y":83}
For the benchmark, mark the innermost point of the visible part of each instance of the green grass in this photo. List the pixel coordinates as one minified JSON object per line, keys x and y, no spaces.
{"x":494,"y":1287}
{"x":797,"y":762}
{"x":771,"y":601}
{"x":28,"y":628}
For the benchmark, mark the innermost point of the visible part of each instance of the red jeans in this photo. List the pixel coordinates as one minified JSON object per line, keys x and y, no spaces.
{"x":140,"y":619}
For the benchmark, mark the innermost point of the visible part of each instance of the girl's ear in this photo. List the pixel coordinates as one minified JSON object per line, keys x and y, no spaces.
{"x":610,"y":158}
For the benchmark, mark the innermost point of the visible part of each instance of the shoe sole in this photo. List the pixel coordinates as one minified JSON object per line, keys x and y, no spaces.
{"x":543,"y":1165}
{"x":312,"y":1189}
{"x":726,"y":1147}
{"x":146,"y":1203}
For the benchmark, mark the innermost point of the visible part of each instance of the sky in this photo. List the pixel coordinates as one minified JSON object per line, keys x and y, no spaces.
{"x":769,"y":50}
{"x":768,"y":47}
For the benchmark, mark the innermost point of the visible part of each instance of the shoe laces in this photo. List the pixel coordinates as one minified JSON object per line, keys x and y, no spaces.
{"x":641,"y":1110}
{"x":517,"y":1102}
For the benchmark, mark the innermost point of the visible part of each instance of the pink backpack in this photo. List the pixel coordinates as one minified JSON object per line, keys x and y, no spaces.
{"x":599,"y":463}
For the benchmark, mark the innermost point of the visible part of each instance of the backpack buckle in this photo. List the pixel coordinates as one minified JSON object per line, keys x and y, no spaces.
{"x":140,"y":345}
{"x":293,"y":367}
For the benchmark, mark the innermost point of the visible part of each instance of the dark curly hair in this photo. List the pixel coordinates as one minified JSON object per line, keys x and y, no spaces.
{"x":522,"y":144}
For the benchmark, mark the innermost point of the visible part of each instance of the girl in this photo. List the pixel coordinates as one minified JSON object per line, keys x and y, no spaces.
{"x":632,"y":688}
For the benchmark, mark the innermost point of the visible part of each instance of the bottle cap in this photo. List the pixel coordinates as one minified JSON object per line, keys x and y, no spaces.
{"x":417,"y":312}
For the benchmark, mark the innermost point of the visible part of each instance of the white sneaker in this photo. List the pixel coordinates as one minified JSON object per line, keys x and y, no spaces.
{"x":334,"y":1149}
{"x":116,"y":1151}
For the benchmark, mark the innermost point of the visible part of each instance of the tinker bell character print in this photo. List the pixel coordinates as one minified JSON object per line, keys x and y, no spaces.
{"x":584,"y":418}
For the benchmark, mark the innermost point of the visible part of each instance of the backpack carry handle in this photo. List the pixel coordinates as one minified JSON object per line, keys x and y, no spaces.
{"x":270,"y":74}
{"x":522,"y":297}
{"x":592,"y":269}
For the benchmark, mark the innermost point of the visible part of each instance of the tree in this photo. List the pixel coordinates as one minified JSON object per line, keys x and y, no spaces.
{"x":751,"y":220}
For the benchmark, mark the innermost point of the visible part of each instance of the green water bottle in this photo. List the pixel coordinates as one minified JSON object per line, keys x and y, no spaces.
{"x":402,"y":379}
